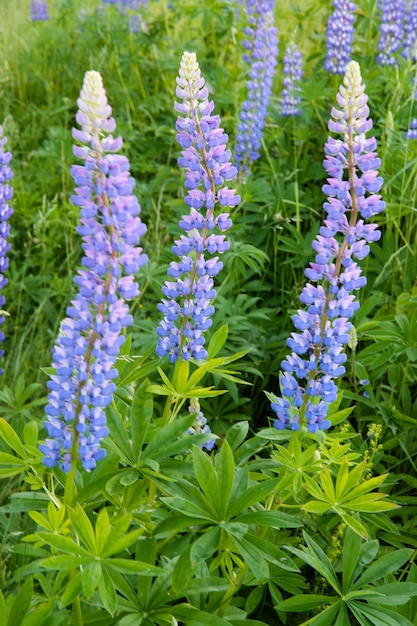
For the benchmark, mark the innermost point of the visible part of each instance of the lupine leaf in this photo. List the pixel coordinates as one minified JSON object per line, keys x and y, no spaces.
{"x":107,"y":592}
{"x":11,"y":438}
{"x":90,"y":578}
{"x":225,"y":468}
{"x":140,"y":417}
{"x":21,"y":603}
{"x":207,"y":479}
{"x":382,"y":567}
{"x":305,"y":602}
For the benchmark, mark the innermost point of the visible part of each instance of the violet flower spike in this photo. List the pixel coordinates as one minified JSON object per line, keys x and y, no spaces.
{"x":200,"y":425}
{"x":339,"y":36}
{"x":391,"y":30}
{"x":187,"y":303}
{"x":293,"y":73}
{"x":409,"y":50}
{"x":38,"y":10}
{"x":317,"y":360}
{"x":90,"y":337}
{"x":6,"y":211}
{"x":262,"y":50}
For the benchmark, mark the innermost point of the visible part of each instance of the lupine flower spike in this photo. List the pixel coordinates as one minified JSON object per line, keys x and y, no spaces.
{"x":391,"y":31}
{"x":38,"y":10}
{"x":200,"y":425}
{"x":90,"y":337}
{"x":307,"y":382}
{"x":339,"y":36}
{"x":409,"y":50}
{"x":262,"y":49}
{"x":293,"y":73}
{"x":6,"y":211}
{"x":187,"y":306}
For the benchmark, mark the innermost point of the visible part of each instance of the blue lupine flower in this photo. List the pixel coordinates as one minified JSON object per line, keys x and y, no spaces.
{"x":410,"y":31}
{"x":412,"y":131}
{"x":38,"y":10}
{"x":90,"y":337}
{"x":317,"y":359}
{"x":391,"y":31}
{"x":339,"y":36}
{"x":187,"y":306}
{"x":262,"y":50}
{"x":293,"y":72}
{"x":6,"y":211}
{"x":200,"y":425}
{"x":130,"y":8}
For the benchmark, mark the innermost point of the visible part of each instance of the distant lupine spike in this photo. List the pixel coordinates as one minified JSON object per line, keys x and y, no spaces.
{"x":6,"y":211}
{"x":262,"y":49}
{"x":412,"y":131}
{"x":339,"y":36}
{"x":187,"y":306}
{"x":38,"y":10}
{"x":322,"y":331}
{"x":293,"y":73}
{"x":130,"y":8}
{"x":90,"y":337}
{"x":409,"y":50}
{"x":391,"y":31}
{"x":200,"y":425}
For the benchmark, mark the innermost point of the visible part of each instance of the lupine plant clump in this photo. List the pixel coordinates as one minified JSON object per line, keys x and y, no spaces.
{"x":317,"y":358}
{"x":293,"y":73}
{"x":261,"y":47}
{"x":91,"y":336}
{"x":391,"y":30}
{"x":339,"y":36}
{"x":187,"y":305}
{"x":148,"y":473}
{"x":6,"y":211}
{"x":39,"y":10}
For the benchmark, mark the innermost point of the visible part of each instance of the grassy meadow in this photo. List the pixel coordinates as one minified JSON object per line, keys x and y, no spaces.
{"x":273,"y":526}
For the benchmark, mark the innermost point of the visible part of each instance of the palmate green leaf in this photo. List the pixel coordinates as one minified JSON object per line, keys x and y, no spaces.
{"x":90,"y":578}
{"x":314,"y":556}
{"x":217,"y":341}
{"x":237,"y":434}
{"x":40,"y":614}
{"x":305,"y":602}
{"x":205,"y":546}
{"x":20,"y":604}
{"x":225,"y":469}
{"x":107,"y":592}
{"x":351,"y":547}
{"x":272,"y":553}
{"x":377,"y":616}
{"x":83,"y":527}
{"x":382,"y":567}
{"x":12,"y":439}
{"x":273,"y":519}
{"x":72,"y":590}
{"x":207,"y":480}
{"x":354,"y":525}
{"x":254,"y":559}
{"x":128,"y":566}
{"x":334,"y":615}
{"x":251,"y":496}
{"x":194,"y":617}
{"x":163,"y":438}
{"x":63,"y":544}
{"x":140,"y":418}
{"x":62,"y":563}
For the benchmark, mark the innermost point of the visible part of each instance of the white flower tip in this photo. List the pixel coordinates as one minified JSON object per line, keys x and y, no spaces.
{"x":353,"y":76}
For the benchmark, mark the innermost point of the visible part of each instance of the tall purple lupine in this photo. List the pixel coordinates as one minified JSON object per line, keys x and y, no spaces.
{"x":409,"y":50}
{"x":38,"y":10}
{"x":391,"y":31}
{"x":130,"y":8}
{"x":90,"y":337}
{"x":307,"y":381}
{"x":187,"y":306}
{"x":261,"y":55}
{"x":339,"y":36}
{"x":293,"y":72}
{"x":6,"y":211}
